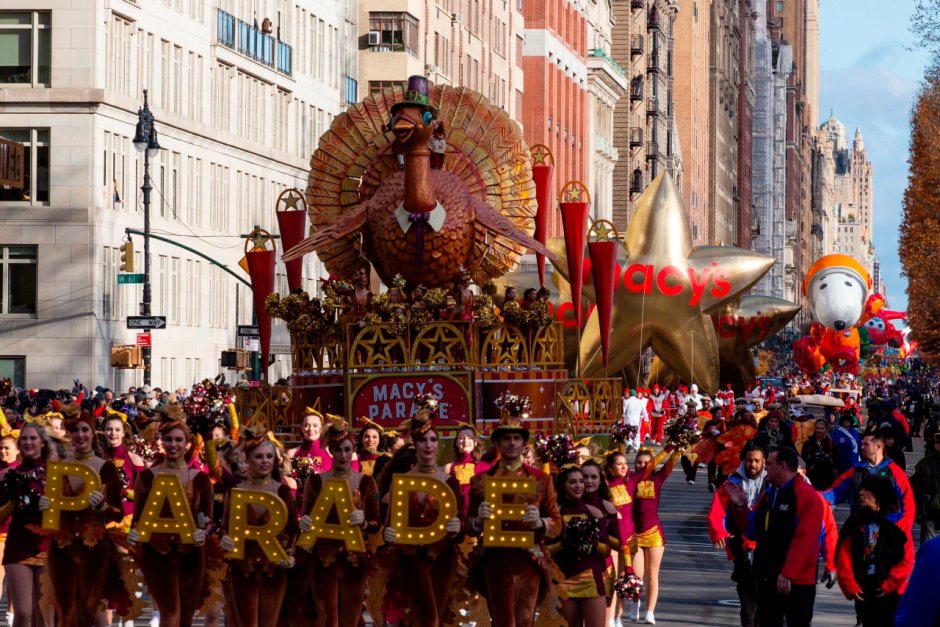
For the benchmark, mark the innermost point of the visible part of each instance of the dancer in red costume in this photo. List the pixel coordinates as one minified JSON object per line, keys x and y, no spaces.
{"x":25,"y":554}
{"x":175,"y":573}
{"x":310,"y":457}
{"x":370,"y":446}
{"x":340,"y":576}
{"x":597,"y":494}
{"x":584,"y":564}
{"x":8,"y":459}
{"x":255,"y":588}
{"x":84,"y":564}
{"x":622,"y":485}
{"x":650,"y":537}
{"x":128,"y":465}
{"x":427,"y":571}
{"x":467,"y":453}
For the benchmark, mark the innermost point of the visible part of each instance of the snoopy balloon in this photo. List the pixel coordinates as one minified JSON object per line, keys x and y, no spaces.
{"x":836,"y":289}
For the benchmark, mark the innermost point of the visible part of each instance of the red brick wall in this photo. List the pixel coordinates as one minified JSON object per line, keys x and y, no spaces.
{"x":550,"y":94}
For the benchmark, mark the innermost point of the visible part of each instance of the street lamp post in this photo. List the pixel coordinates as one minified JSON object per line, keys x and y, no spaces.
{"x":145,"y":141}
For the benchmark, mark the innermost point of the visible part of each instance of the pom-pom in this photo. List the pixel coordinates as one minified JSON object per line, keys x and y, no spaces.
{"x":581,"y":535}
{"x":557,"y":449}
{"x":682,"y":432}
{"x":629,"y":586}
{"x":514,"y":405}
{"x":620,"y":432}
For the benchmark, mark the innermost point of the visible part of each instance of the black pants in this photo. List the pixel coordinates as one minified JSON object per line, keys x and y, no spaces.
{"x":796,"y":607}
{"x":878,"y":611}
{"x":747,"y":592}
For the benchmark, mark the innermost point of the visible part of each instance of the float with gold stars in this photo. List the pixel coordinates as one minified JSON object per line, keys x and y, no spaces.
{"x":383,"y":208}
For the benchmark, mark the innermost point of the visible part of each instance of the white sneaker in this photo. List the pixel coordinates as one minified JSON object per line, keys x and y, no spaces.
{"x":633,"y":611}
{"x":650,"y":618}
{"x":155,"y":620}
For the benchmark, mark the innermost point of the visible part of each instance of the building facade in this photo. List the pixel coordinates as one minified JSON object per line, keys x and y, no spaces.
{"x":607,"y":84}
{"x":472,"y":43}
{"x":556,"y":103}
{"x":843,"y":185}
{"x":773,"y":64}
{"x":645,"y":131}
{"x":240,"y":91}
{"x":692,"y":31}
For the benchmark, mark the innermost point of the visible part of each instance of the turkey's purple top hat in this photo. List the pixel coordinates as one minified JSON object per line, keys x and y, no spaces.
{"x":417,"y":93}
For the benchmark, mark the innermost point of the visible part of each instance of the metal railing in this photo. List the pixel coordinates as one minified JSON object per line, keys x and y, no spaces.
{"x":253,"y":43}
{"x":600,"y":53}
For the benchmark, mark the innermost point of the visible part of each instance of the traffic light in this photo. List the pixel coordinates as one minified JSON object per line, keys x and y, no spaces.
{"x":127,"y":256}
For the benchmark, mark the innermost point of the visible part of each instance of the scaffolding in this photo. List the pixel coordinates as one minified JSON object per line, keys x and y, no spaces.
{"x":768,"y":165}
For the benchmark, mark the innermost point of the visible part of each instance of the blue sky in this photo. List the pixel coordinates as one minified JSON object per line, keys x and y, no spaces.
{"x":869,"y":77}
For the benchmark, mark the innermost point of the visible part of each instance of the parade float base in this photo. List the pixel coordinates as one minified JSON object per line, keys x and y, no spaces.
{"x":378,"y":372}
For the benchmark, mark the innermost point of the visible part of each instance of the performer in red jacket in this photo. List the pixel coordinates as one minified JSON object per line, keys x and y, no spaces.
{"x":787,"y":524}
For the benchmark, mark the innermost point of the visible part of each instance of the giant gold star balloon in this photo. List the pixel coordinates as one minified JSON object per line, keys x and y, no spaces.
{"x":740,"y":325}
{"x":665,"y":288}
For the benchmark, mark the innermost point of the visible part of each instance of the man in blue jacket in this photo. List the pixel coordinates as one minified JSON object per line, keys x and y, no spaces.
{"x":920,"y":605}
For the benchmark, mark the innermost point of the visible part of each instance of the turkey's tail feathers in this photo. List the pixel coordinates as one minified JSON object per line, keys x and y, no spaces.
{"x":485,"y":149}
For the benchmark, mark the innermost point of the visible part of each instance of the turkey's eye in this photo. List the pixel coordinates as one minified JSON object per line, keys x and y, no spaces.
{"x":823,"y":286}
{"x":848,"y":284}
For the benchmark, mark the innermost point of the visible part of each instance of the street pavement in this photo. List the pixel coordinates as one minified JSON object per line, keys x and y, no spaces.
{"x":695,"y":580}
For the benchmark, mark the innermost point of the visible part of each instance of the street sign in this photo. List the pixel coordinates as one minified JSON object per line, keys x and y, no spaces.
{"x":146,"y":322}
{"x":247,"y":330}
{"x":124,"y":279}
{"x":143,"y":339}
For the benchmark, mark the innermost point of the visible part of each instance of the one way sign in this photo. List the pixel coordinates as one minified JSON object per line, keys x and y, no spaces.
{"x":146,"y":322}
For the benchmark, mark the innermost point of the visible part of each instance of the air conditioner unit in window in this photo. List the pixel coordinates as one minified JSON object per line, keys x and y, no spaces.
{"x":456,"y":17}
{"x":431,"y":69}
{"x":375,"y":38}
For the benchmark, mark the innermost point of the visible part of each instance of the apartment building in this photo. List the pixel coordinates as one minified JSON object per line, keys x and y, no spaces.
{"x":240,"y":90}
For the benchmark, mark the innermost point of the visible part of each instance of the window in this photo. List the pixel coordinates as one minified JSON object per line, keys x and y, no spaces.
{"x":780,"y":6}
{"x":377,"y":87}
{"x":397,"y":31}
{"x":35,"y":188}
{"x":25,"y":47}
{"x":18,"y":280}
{"x":14,"y":368}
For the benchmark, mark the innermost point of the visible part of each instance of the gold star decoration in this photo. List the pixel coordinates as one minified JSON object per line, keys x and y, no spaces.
{"x":541,"y":155}
{"x":442,"y":342}
{"x":290,"y":198}
{"x":384,"y":350}
{"x":665,"y":289}
{"x":573,"y":195}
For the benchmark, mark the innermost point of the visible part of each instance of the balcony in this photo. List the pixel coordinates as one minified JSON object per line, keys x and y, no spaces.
{"x":598,"y":59}
{"x":636,"y":137}
{"x":652,"y":107}
{"x":654,"y":21}
{"x":636,"y":182}
{"x":637,"y":4}
{"x":253,"y":43}
{"x":652,"y":150}
{"x":654,"y":63}
{"x":636,"y":45}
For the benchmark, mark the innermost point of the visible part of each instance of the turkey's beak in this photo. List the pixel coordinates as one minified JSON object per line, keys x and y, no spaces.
{"x":403,"y":129}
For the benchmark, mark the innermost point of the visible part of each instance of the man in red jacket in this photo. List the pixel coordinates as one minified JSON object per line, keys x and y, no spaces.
{"x":786,"y":523}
